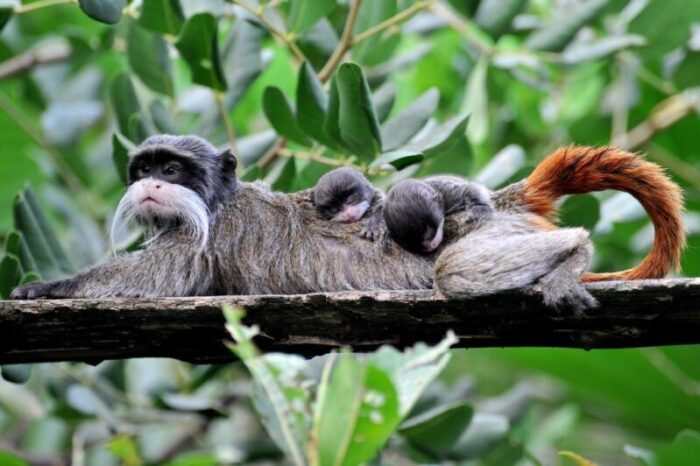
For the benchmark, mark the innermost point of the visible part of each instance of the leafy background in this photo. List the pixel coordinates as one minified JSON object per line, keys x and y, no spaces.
{"x":397,"y":88}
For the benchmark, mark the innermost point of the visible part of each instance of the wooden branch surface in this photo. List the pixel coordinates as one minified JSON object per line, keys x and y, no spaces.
{"x":631,"y":314}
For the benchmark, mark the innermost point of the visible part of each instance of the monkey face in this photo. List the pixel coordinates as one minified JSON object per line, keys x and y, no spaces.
{"x":175,"y":181}
{"x":414,"y":214}
{"x":343,"y":195}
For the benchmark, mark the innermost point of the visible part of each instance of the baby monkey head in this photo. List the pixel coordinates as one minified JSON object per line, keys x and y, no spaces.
{"x":414,"y":214}
{"x":343,"y":195}
{"x":175,"y":181}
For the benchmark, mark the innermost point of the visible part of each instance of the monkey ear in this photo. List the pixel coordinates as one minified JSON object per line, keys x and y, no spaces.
{"x":228,"y":162}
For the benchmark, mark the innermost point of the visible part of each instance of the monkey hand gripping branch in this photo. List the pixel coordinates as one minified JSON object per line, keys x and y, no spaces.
{"x":213,"y":235}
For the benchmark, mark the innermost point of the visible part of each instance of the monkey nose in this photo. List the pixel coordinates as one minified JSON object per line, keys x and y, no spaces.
{"x":433,"y":244}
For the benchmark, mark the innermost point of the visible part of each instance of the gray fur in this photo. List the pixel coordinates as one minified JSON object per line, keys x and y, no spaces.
{"x":263,"y":242}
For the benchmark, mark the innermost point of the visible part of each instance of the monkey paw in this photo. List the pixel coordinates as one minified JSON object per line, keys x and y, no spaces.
{"x":34,"y":291}
{"x":567,"y":296}
{"x":372,"y":231}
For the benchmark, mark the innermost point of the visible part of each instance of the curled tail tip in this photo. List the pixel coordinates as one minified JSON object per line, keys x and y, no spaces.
{"x":577,"y":169}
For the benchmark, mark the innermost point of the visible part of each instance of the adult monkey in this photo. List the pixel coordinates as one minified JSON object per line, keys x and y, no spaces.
{"x":227,"y":237}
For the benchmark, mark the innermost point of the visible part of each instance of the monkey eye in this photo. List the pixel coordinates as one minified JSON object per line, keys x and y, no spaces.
{"x":145,"y":168}
{"x":171,"y":170}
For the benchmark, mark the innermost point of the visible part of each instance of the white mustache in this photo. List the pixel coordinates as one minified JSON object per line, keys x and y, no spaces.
{"x":177,"y":203}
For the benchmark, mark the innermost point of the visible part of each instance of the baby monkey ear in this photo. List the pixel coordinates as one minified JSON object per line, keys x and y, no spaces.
{"x":228,"y":162}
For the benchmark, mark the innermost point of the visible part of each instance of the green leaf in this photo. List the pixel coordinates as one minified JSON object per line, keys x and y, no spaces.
{"x":30,"y":277}
{"x":332,"y":126}
{"x":495,"y":16}
{"x":436,"y":431}
{"x":682,"y":452}
{"x":40,"y":238}
{"x":7,"y":9}
{"x":304,"y":13}
{"x":404,"y":126}
{"x":686,"y":75}
{"x":357,"y":123}
{"x":163,"y":16}
{"x":280,"y":114}
{"x":10,"y":275}
{"x":378,"y":47}
{"x":312,"y":105}
{"x":665,"y":25}
{"x":9,"y":459}
{"x":282,"y":174}
{"x":580,"y":52}
{"x":443,"y":139}
{"x":199,"y":46}
{"x":16,"y":373}
{"x":252,"y":173}
{"x":484,"y":432}
{"x":148,"y":57}
{"x":502,"y":167}
{"x":253,"y":146}
{"x":127,"y":109}
{"x":413,"y":369}
{"x":476,"y":103}
{"x":398,"y":158}
{"x":104,"y":11}
{"x":125,"y":448}
{"x":383,"y":100}
{"x":120,"y":155}
{"x":357,"y":413}
{"x":318,"y":43}
{"x":162,"y":119}
{"x":242,"y":62}
{"x":270,"y":399}
{"x":580,"y":211}
{"x":48,"y":232}
{"x":17,"y":246}
{"x":556,"y":33}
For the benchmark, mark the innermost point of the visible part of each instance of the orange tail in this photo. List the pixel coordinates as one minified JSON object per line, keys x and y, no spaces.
{"x":577,"y":170}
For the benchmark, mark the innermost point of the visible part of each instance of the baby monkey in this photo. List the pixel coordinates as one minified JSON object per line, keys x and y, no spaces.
{"x":344,"y":195}
{"x":415,"y":210}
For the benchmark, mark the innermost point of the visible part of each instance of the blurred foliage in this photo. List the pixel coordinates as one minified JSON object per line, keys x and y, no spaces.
{"x":480,"y":88}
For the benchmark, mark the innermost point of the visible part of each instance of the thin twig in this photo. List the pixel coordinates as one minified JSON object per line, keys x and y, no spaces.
{"x":345,"y":43}
{"x":462,"y":25}
{"x":675,"y":165}
{"x":32,"y":58}
{"x":397,"y":18}
{"x":317,"y":157}
{"x":665,"y":114}
{"x":230,"y":133}
{"x":27,"y":7}
{"x":272,"y":153}
{"x":284,"y":38}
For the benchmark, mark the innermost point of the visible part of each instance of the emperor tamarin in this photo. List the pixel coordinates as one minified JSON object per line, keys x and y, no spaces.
{"x":210,"y":234}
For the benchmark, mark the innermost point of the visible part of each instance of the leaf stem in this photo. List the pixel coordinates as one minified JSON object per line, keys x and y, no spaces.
{"x":27,"y":7}
{"x":397,"y":18}
{"x":230,"y":133}
{"x":280,"y":35}
{"x":345,"y":43}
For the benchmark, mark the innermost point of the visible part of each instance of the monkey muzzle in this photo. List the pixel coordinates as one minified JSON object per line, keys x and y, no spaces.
{"x":351,"y":213}
{"x":433,"y":244}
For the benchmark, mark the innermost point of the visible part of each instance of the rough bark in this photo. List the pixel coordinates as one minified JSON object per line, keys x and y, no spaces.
{"x":631,"y":314}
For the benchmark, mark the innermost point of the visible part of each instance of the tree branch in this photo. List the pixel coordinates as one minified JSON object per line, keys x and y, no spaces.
{"x":27,"y":61}
{"x":344,"y":44}
{"x":631,"y":314}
